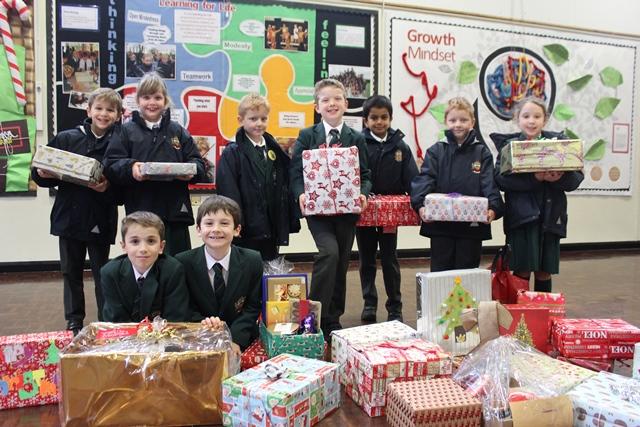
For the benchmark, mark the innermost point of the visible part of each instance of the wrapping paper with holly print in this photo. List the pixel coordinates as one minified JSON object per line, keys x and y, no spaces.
{"x":388,"y":211}
{"x":366,"y":334}
{"x":28,"y":366}
{"x":606,"y":400}
{"x":331,"y":181}
{"x":439,"y":320}
{"x":67,"y":166}
{"x":455,"y":207}
{"x":370,"y":368}
{"x":595,"y":338}
{"x":303,"y":392}
{"x":541,"y":155}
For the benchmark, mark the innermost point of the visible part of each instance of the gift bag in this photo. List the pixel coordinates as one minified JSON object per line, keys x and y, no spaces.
{"x":504,"y":284}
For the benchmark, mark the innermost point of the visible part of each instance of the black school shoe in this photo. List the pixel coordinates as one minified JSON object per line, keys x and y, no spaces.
{"x":395,"y":316}
{"x":75,"y":326}
{"x":368,"y":314}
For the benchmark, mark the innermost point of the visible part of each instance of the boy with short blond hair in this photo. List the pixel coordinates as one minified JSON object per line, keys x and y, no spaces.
{"x":254,"y":171}
{"x":84,"y":218}
{"x":144,"y":282}
{"x":333,"y":235}
{"x":224,"y":280}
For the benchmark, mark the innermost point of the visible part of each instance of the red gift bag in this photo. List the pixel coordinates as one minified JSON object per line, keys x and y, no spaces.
{"x":504,"y":284}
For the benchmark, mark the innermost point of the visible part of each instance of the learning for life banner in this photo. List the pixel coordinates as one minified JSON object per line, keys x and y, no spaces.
{"x":588,"y":82}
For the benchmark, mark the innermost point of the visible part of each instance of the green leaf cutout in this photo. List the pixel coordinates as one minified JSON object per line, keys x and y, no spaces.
{"x":556,"y":53}
{"x":563,"y":112}
{"x":441,"y":135}
{"x":580,"y":82}
{"x":468,"y":72}
{"x":605,"y":107}
{"x":571,"y":134}
{"x":611,"y":77}
{"x":596,"y":151}
{"x":437,"y":111}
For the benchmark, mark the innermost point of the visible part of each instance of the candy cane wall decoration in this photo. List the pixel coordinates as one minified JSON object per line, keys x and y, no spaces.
{"x":7,"y":39}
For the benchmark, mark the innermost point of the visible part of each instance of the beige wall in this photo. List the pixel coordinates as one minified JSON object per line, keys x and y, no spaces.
{"x":24,"y":225}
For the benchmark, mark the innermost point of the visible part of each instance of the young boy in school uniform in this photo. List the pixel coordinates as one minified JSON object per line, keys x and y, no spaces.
{"x":333,"y":235}
{"x":84,"y":218}
{"x":224,"y":280}
{"x":254,"y":171}
{"x":144,"y":282}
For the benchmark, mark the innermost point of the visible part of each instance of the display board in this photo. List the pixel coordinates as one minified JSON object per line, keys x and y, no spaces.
{"x":211,"y":54}
{"x":589,"y":83}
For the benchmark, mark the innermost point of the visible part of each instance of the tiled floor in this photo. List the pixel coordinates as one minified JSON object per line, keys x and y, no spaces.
{"x":596,"y":284}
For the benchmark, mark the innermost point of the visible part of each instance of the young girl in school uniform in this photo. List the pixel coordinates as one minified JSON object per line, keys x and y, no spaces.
{"x":536,"y":205}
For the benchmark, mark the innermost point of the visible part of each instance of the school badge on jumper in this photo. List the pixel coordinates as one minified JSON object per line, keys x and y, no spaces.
{"x":271,"y":155}
{"x":175,"y":142}
{"x":398,"y":155}
{"x":476,"y":167}
{"x":239,"y":304}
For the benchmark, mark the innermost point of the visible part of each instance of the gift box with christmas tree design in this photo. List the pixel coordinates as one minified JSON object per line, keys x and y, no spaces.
{"x":441,"y":299}
{"x":530,"y":325}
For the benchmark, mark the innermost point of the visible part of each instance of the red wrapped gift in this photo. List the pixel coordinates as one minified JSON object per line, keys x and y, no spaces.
{"x":530,"y":325}
{"x":28,"y":366}
{"x":555,"y":302}
{"x":388,"y":211}
{"x":253,"y":355}
{"x":595,"y":338}
{"x":331,"y":181}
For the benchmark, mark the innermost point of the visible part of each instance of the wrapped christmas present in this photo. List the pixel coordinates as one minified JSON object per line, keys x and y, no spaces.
{"x":166,"y":171}
{"x":431,"y":403}
{"x":555,"y":302}
{"x":455,"y":207}
{"x":145,"y":374}
{"x":441,"y":299}
{"x":67,"y":166}
{"x":530,"y":325}
{"x":388,"y":211}
{"x":606,"y":400}
{"x":287,"y":390}
{"x":636,"y":361}
{"x":331,"y":181}
{"x":367,"y":334}
{"x":291,"y":311}
{"x":282,"y":338}
{"x":370,"y":368}
{"x":542,"y":155}
{"x":28,"y":366}
{"x":253,"y":355}
{"x":281,"y":287}
{"x":595,"y":338}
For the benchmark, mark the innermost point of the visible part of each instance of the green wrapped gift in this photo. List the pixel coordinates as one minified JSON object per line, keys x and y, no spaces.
{"x":541,"y":155}
{"x":307,"y":345}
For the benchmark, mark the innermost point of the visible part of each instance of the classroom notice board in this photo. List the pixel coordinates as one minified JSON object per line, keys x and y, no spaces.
{"x":211,"y":54}
{"x":589,"y":83}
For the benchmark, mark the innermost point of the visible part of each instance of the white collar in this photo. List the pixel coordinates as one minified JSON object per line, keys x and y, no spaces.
{"x":150,"y":125}
{"x":374,"y":136}
{"x":262,"y":142}
{"x":328,"y":127}
{"x":139,"y":275}
{"x":211,"y":261}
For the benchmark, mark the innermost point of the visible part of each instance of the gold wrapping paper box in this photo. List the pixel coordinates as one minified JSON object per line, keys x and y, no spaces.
{"x":174,"y":378}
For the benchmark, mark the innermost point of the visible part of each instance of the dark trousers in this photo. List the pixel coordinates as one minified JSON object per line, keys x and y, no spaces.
{"x":368,"y":240}
{"x":334,"y":237}
{"x":450,"y":253}
{"x":176,"y":234}
{"x":267,"y":247}
{"x":72,"y":256}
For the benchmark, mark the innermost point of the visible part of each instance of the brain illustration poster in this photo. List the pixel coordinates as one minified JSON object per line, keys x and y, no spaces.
{"x":211,"y":54}
{"x":588,"y":82}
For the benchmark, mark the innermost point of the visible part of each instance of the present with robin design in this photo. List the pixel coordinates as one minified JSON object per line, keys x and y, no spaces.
{"x":388,"y":211}
{"x":331,"y":181}
{"x":542,"y":155}
{"x":68,"y":166}
{"x":455,"y":207}
{"x":167,"y":171}
{"x":28,"y":366}
{"x":156,"y":373}
{"x":286,"y":390}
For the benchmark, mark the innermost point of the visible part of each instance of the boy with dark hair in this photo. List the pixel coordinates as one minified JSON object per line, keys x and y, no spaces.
{"x":144,"y":282}
{"x":224,"y":280}
{"x":84,"y":218}
{"x":392,"y":169}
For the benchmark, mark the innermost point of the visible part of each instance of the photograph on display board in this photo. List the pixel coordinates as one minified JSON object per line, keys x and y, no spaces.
{"x":143,"y":58}
{"x":207,"y":148}
{"x":78,"y":100}
{"x":356,"y":80}
{"x":286,"y":34}
{"x":80,"y":67}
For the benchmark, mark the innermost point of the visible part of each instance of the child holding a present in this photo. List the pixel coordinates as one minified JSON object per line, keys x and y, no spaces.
{"x":84,"y":218}
{"x":144,"y":282}
{"x":536,"y":205}
{"x":224,"y":280}
{"x":458,"y":164}
{"x":254,"y":171}
{"x":333,"y":235}
{"x":151,"y":136}
{"x":392,"y":169}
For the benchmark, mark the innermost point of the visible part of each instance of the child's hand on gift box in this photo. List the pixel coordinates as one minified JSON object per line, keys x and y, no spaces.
{"x":491,"y":215}
{"x":553,"y":176}
{"x":302,"y":201}
{"x":423,"y":214}
{"x":44,"y":174}
{"x":136,"y":171}
{"x":539,"y":176}
{"x":213,"y":322}
{"x":363,"y":202}
{"x":101,"y":186}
